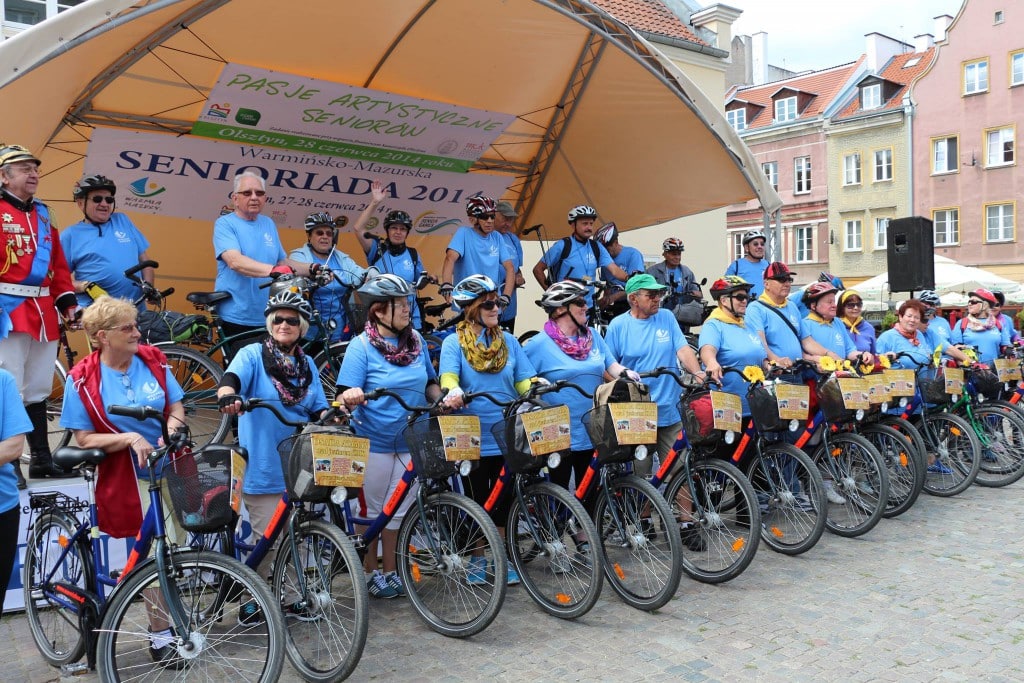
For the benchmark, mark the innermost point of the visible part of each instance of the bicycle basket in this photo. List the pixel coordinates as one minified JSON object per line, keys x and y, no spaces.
{"x":200,"y":493}
{"x":698,"y":419}
{"x":426,"y":447}
{"x":764,"y":409}
{"x":609,"y":442}
{"x":986,"y":382}
{"x":297,"y":464}
{"x":933,"y":389}
{"x":830,"y":400}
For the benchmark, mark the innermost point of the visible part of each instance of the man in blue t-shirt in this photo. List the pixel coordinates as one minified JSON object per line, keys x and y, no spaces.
{"x":629,"y":259}
{"x":504,"y":224}
{"x":680,"y":280}
{"x":751,"y":266}
{"x":476,"y":249}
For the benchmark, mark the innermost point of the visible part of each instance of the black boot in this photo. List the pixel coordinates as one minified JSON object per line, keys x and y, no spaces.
{"x":41,"y":464}
{"x":22,"y":484}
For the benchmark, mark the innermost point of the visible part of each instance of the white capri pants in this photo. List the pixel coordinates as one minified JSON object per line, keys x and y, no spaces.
{"x":32,"y":364}
{"x":383,"y":473}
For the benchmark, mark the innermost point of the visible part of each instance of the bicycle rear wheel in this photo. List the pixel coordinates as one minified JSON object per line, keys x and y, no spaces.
{"x":953,"y":454}
{"x":722,"y":505}
{"x":859,"y":476}
{"x":328,"y":365}
{"x":906,"y":468}
{"x":327,"y":622}
{"x":560,"y":567}
{"x":643,"y":554}
{"x":458,"y":589}
{"x":199,"y":378}
{"x":790,"y":496}
{"x":55,"y":628}
{"x":222,"y":644}
{"x":1002,"y":454}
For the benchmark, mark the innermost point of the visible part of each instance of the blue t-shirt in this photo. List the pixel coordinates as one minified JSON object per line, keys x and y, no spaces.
{"x":259,"y":431}
{"x":258,"y":240}
{"x":751,"y":272}
{"x":137,"y":387}
{"x":515,"y":249}
{"x":103,"y":258}
{"x":781,"y":339}
{"x":736,"y":347}
{"x":630,"y":260}
{"x":329,"y":300}
{"x":647,"y":344}
{"x":402,"y":266}
{"x":13,"y":421}
{"x":383,"y":421}
{"x":479,"y":254}
{"x":1008,"y":326}
{"x":863,"y":336}
{"x":552,"y":363}
{"x":939,"y":327}
{"x":832,"y":335}
{"x":988,"y":341}
{"x":501,"y":384}
{"x":894,"y":342}
{"x":579,"y":263}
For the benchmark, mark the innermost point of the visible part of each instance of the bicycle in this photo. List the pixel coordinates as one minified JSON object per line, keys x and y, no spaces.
{"x":70,"y":612}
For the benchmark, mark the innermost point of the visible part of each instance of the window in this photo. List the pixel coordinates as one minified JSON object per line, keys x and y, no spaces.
{"x":947,"y":226}
{"x":852,"y":236}
{"x":1017,"y":68}
{"x":737,"y":118}
{"x":945,"y":158}
{"x":976,"y":77}
{"x":771,"y":172}
{"x":802,"y":175}
{"x":998,"y":222}
{"x":997,"y":18}
{"x":871,"y":96}
{"x":851,"y":169}
{"x":737,"y":245}
{"x":883,"y":165}
{"x":31,"y":12}
{"x":785,"y":109}
{"x":804,"y":244}
{"x":999,"y":146}
{"x":881,"y":233}
{"x":913,"y":61}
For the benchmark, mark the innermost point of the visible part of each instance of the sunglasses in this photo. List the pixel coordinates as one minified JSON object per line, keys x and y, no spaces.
{"x":854,"y":304}
{"x":486,"y":216}
{"x":249,"y":193}
{"x":490,"y":305}
{"x":101,"y":200}
{"x":579,"y":303}
{"x":740,"y":297}
{"x":783,"y":279}
{"x":291,"y":320}
{"x":972,"y":302}
{"x":129,"y":393}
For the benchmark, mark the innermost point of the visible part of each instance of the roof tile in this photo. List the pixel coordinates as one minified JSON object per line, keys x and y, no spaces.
{"x":896,"y":71}
{"x":651,"y":16}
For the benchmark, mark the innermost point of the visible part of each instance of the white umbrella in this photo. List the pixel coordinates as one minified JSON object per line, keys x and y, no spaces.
{"x":950,"y":277}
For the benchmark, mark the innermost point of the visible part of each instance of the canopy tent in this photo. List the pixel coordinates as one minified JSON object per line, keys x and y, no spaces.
{"x":599,"y":115}
{"x":950,"y":278}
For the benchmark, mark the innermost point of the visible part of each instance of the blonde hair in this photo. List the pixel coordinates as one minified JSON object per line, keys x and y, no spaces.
{"x":106,"y":313}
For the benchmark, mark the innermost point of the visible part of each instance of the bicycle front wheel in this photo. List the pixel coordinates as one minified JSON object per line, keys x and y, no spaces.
{"x":904,"y":464}
{"x":953,"y":454}
{"x":643,"y":554}
{"x":721,"y":504}
{"x":225,"y":640}
{"x":1002,"y":454}
{"x":199,"y":378}
{"x":54,"y":627}
{"x":554,"y":547}
{"x":453,"y":565}
{"x":328,"y":365}
{"x":860,"y":479}
{"x":790,"y":496}
{"x":327,"y":613}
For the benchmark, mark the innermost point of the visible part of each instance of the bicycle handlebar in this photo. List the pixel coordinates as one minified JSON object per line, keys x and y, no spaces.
{"x":381,"y":392}
{"x":141,"y":265}
{"x":250,"y":403}
{"x":143,"y":413}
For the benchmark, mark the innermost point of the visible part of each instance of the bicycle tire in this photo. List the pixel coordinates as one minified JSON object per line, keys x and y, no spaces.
{"x":906,"y":468}
{"x":243,"y":652}
{"x":326,"y":626}
{"x":788,"y":525}
{"x":328,"y":365}
{"x":527,"y":336}
{"x":859,"y":476}
{"x":726,"y":516}
{"x":55,"y":629}
{"x":565,"y":576}
{"x":438,"y":586}
{"x":199,"y":378}
{"x":951,"y":442}
{"x":433,"y":345}
{"x":642,"y":562}
{"x":911,"y":434}
{"x":1002,"y":460}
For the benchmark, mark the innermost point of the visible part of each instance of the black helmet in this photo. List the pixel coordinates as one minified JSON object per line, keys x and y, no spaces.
{"x":91,"y":183}
{"x":398,"y":216}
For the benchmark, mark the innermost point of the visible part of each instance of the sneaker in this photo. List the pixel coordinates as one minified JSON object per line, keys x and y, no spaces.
{"x":163,"y":650}
{"x":832,"y":495}
{"x":864,"y":486}
{"x":250,"y":614}
{"x":378,"y":586}
{"x":583,"y":553}
{"x":938,"y":468}
{"x":804,"y":503}
{"x":512,"y":577}
{"x":692,"y":538}
{"x":988,"y":456}
{"x":476,"y":574}
{"x":396,"y":583}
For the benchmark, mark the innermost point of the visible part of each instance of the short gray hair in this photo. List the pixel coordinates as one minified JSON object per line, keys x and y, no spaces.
{"x":250,"y":174}
{"x":303,"y":323}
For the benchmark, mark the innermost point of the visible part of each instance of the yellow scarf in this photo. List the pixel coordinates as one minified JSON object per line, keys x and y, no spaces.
{"x":814,"y":317}
{"x":490,"y":359}
{"x":854,"y":325}
{"x":765,"y":299}
{"x":725,"y":317}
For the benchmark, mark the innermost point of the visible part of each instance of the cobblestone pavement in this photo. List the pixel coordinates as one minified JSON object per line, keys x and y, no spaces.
{"x":933,"y":595}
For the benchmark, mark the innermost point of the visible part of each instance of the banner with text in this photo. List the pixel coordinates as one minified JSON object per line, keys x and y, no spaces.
{"x":192,"y":178}
{"x":286,"y":111}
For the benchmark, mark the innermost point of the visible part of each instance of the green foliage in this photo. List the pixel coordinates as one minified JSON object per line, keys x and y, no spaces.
{"x":889,"y":320}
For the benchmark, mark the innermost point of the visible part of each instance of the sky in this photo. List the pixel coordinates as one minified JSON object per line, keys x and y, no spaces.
{"x":815,"y":34}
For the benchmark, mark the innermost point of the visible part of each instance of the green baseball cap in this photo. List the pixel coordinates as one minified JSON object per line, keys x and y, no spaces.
{"x":643,"y":281}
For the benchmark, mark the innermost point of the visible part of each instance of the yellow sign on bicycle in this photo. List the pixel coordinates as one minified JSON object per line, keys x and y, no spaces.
{"x":460,"y":437}
{"x":237,"y":477}
{"x":726,"y":411}
{"x":901,"y":382}
{"x":547,"y":430}
{"x":878,"y":389}
{"x":855,"y":393}
{"x":1008,"y":369}
{"x":339,"y":459}
{"x":794,"y":400}
{"x":954,"y":381}
{"x":634,"y":423}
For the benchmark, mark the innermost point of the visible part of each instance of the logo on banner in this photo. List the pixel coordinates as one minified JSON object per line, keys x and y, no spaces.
{"x":247,"y":117}
{"x":219,"y":111}
{"x":144,"y":189}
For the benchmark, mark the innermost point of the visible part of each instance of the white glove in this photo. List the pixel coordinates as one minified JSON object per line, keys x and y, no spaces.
{"x":633,"y":376}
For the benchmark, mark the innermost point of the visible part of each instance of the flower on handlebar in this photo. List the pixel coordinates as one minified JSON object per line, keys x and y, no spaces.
{"x":828,"y":364}
{"x":883,"y":360}
{"x":753,"y":373}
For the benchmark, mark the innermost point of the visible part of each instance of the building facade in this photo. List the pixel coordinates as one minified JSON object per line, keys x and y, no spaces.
{"x":19,"y":15}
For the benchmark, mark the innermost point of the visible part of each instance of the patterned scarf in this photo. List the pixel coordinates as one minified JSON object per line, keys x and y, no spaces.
{"x":577,"y":349}
{"x":490,"y":359}
{"x":291,"y":376}
{"x":405,"y":352}
{"x":981,"y":324}
{"x":909,"y":336}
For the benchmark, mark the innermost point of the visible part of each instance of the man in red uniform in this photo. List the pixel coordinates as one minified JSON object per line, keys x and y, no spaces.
{"x":34,"y":284}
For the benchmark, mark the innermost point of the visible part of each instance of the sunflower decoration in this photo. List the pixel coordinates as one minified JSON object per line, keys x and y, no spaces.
{"x":828,"y":364}
{"x":883,"y":360}
{"x":753,"y":373}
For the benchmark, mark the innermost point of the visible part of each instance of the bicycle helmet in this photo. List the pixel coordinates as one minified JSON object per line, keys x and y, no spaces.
{"x":290,"y":300}
{"x":471,"y":288}
{"x":318,"y":220}
{"x":728,"y":285}
{"x":817,"y":290}
{"x":10,"y":154}
{"x":929,"y":298}
{"x":398,"y":217}
{"x":825,"y":276}
{"x":560,"y":294}
{"x":673,"y":244}
{"x":1000,"y":297}
{"x":382,"y":288}
{"x":93,"y":182}
{"x":581,"y":211}
{"x":479,"y":206}
{"x":607,"y":233}
{"x":752,"y":235}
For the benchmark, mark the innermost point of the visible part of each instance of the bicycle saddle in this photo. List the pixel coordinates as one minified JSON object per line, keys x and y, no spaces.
{"x":70,"y":457}
{"x":207,"y":298}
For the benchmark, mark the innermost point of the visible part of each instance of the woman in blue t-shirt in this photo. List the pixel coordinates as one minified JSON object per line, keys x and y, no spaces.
{"x":980,"y":328}
{"x":391,"y":354}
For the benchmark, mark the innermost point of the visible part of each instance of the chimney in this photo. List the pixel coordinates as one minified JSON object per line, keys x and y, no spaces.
{"x":879,"y":49}
{"x":718,"y":20}
{"x":759,"y":58}
{"x":923,"y":41}
{"x":942,"y":22}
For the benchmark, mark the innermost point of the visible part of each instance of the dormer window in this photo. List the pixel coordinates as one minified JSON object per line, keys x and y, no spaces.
{"x":785,"y":109}
{"x":737,"y":118}
{"x":871,"y":96}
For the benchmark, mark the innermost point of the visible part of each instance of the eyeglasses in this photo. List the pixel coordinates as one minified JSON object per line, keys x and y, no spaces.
{"x":291,"y":320}
{"x":972,"y":302}
{"x":854,"y":304}
{"x":249,"y":193}
{"x":96,"y":199}
{"x":329,"y":232}
{"x":129,"y":393}
{"x":490,"y":305}
{"x":660,"y":294}
{"x":127,"y":328}
{"x":740,"y":297}
{"x":579,"y":303}
{"x":486,"y":216}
